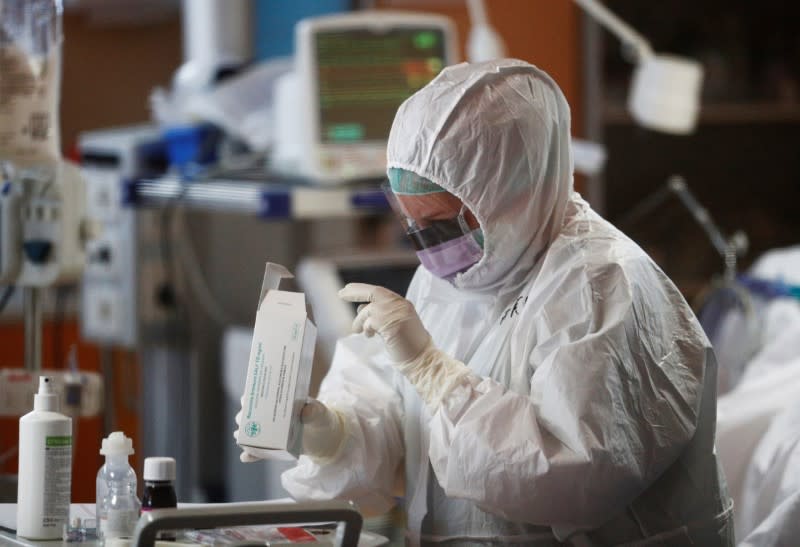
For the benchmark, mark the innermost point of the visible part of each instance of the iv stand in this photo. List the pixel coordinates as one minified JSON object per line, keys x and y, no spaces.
{"x":33,"y":303}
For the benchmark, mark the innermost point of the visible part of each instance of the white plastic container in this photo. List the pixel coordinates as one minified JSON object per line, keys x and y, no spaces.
{"x":45,"y":467}
{"x":117,"y":505}
{"x":279,"y":372}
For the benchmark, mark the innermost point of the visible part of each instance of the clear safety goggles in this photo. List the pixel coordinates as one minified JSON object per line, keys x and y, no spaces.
{"x":445,"y":246}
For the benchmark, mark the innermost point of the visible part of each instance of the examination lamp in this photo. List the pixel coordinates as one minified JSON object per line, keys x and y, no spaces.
{"x":665,"y":91}
{"x":483,"y":43}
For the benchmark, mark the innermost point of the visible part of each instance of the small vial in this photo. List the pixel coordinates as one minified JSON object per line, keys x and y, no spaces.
{"x":74,"y":533}
{"x":80,"y":531}
{"x":117,"y":504}
{"x":159,"y":488}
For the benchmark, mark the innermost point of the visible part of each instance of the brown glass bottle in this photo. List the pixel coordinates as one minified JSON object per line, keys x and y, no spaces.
{"x":158,"y":495}
{"x":159,"y":488}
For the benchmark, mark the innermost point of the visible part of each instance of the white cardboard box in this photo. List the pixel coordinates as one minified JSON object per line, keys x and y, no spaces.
{"x":279,"y":370}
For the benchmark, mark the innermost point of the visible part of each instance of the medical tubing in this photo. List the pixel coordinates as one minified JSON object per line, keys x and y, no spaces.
{"x":618,"y":27}
{"x":728,"y":249}
{"x":195,"y":277}
{"x":6,"y":297}
{"x":434,"y":374}
{"x":699,"y":213}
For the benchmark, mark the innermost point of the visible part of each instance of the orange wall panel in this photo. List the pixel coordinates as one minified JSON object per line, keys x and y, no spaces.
{"x":86,"y":457}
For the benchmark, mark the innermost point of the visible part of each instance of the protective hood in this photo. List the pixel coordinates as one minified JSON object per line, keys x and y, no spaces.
{"x":496,"y":135}
{"x":589,"y":409}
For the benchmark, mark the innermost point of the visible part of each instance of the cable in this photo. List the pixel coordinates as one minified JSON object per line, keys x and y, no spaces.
{"x":8,"y":454}
{"x":167,"y":296}
{"x":109,"y":391}
{"x":644,"y":208}
{"x":729,"y":249}
{"x":6,"y":298}
{"x":168,"y":293}
{"x":197,"y":281}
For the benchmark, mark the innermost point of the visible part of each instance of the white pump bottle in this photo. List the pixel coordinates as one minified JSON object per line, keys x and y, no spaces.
{"x":45,"y":467}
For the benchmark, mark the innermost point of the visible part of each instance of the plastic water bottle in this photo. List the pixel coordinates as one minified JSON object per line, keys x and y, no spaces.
{"x":117,"y":504}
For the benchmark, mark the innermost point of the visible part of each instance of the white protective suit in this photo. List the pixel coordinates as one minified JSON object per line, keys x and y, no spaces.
{"x":769,"y":384}
{"x":589,"y":413}
{"x":773,"y":484}
{"x":781,"y":528}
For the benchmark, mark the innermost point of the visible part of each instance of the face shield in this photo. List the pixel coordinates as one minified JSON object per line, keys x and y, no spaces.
{"x":445,"y":234}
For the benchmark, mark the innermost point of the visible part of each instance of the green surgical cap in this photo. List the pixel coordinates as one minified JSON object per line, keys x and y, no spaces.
{"x":410,"y":184}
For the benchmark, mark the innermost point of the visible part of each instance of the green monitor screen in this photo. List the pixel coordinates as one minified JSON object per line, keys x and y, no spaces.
{"x":363,"y":76}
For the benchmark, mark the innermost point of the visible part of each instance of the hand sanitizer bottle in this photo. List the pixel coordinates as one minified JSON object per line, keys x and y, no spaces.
{"x":45,"y":467}
{"x":117,"y":504}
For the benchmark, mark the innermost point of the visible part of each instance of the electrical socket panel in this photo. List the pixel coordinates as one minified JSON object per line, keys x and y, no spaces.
{"x":80,"y":393}
{"x":105,"y":255}
{"x":102,"y":312}
{"x":110,"y":159}
{"x":109,"y":289}
{"x":103,"y":194}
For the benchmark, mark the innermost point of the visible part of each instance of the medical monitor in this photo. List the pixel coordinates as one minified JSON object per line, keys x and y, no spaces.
{"x":353,"y":72}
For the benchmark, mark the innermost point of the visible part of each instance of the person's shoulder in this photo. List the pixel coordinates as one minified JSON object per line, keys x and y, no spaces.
{"x":595,"y":245}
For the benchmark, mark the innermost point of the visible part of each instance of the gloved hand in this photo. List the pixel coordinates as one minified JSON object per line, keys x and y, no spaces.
{"x":391,"y":316}
{"x":323,"y":433}
{"x":432,"y":372}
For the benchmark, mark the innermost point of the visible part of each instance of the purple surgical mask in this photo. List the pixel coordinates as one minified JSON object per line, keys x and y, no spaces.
{"x":445,"y":246}
{"x":449,"y":258}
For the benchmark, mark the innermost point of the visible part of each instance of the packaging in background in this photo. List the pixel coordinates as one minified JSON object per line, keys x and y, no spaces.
{"x":321,"y":535}
{"x":274,"y":536}
{"x":279,"y":371}
{"x":243,"y":105}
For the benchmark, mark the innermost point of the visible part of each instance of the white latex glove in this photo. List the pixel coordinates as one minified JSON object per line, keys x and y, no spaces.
{"x":432,"y":372}
{"x":389,"y":315}
{"x":323,"y":433}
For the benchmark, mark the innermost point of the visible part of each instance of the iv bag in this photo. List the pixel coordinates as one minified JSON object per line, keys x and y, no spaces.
{"x":30,"y":77}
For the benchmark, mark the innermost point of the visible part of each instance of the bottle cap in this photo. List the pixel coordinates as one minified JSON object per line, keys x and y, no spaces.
{"x":45,"y":399}
{"x":159,"y":469}
{"x":117,"y":444}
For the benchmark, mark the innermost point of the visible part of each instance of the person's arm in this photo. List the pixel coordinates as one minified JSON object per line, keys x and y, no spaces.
{"x":613,"y":401}
{"x":780,"y":527}
{"x":588,"y":440}
{"x":361,"y":390}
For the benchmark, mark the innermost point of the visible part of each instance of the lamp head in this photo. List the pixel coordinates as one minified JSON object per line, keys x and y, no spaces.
{"x":665,"y":93}
{"x":484,"y":44}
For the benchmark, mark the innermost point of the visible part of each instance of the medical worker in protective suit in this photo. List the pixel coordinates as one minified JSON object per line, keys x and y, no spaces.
{"x":542,"y":381}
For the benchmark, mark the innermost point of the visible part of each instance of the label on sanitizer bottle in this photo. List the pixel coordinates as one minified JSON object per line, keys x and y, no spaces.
{"x":57,"y":479}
